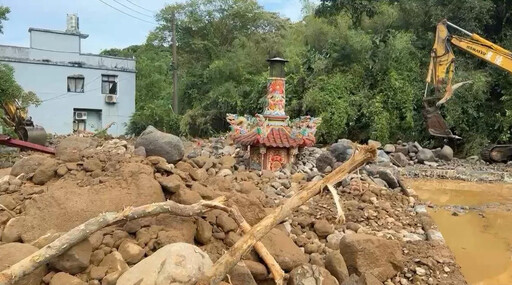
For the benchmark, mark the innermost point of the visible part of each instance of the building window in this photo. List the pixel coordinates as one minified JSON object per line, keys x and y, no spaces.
{"x":109,"y":84}
{"x":76,"y":83}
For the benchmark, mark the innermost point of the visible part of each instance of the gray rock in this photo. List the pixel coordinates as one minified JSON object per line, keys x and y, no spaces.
{"x":11,"y":253}
{"x":402,"y":149}
{"x":342,"y":150}
{"x":389,"y":148}
{"x":204,"y":231}
{"x":425,"y":154}
{"x":287,"y":254}
{"x":325,"y":160}
{"x":446,"y":153}
{"x":380,"y":182}
{"x":413,"y":147}
{"x":140,"y":151}
{"x":333,"y":240}
{"x":323,"y":228}
{"x":335,"y":263}
{"x":364,"y":253}
{"x":75,"y":260}
{"x":177,"y":263}
{"x":161,"y":144}
{"x":382,"y":157}
{"x":309,"y":274}
{"x":258,"y":270}
{"x":399,"y":159}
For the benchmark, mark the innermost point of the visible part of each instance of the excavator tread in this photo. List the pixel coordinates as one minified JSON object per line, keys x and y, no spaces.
{"x":497,"y":153}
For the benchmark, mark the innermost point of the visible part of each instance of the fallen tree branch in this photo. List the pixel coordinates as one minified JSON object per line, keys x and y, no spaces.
{"x":219,"y":270}
{"x":339,"y":209}
{"x":59,"y":246}
{"x":273,"y":266}
{"x":11,"y":213}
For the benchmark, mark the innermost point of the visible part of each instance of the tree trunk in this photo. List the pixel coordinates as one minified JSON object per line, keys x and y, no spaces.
{"x":362,"y":154}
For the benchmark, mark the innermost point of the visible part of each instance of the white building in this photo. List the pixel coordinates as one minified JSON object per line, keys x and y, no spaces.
{"x":79,"y":91}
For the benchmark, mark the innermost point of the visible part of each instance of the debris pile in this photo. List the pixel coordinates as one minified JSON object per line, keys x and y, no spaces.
{"x":387,"y":237}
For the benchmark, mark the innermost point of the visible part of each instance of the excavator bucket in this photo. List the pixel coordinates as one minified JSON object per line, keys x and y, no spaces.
{"x":436,"y":124}
{"x":34,"y":134}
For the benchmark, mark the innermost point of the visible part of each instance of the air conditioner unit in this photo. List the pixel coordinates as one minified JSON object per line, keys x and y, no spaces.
{"x":111,"y":98}
{"x":81,"y":115}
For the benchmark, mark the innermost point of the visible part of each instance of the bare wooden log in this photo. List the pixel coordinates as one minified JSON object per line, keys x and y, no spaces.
{"x":337,"y":202}
{"x":12,"y":214}
{"x":273,"y":266}
{"x":219,"y":270}
{"x":81,"y":232}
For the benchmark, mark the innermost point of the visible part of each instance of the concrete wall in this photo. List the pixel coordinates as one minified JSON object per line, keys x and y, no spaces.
{"x":54,"y":41}
{"x":56,"y":113}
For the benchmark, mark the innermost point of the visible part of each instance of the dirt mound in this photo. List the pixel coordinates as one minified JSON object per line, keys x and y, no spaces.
{"x":65,"y":205}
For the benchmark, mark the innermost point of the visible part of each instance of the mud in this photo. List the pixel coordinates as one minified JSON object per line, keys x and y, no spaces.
{"x":480,"y":235}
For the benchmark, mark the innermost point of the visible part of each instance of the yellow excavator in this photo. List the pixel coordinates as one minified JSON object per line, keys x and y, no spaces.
{"x":15,"y":116}
{"x":440,"y":75}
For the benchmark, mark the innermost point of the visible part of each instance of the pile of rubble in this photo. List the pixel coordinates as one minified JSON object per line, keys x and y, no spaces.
{"x":388,"y":238}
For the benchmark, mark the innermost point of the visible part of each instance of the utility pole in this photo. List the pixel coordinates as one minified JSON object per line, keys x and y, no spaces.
{"x":174,"y":66}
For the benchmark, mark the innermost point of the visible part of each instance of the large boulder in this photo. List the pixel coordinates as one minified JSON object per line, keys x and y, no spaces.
{"x":287,"y":254}
{"x":29,"y":164}
{"x":342,"y":150}
{"x":71,"y":149}
{"x":446,"y":153}
{"x":75,"y":260}
{"x":336,"y":265}
{"x":178,"y":263}
{"x":399,"y":159}
{"x":11,"y":253}
{"x":45,"y":172}
{"x":161,"y":144}
{"x":364,"y":253}
{"x":311,"y":274}
{"x":324,"y":160}
{"x":134,"y":185}
{"x":385,"y":174}
{"x":425,"y":154}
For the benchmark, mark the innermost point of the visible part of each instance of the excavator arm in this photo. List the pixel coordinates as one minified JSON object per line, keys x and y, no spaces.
{"x":440,"y":75}
{"x":442,"y":59}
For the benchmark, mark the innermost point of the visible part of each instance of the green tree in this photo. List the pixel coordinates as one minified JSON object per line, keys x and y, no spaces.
{"x":3,"y":16}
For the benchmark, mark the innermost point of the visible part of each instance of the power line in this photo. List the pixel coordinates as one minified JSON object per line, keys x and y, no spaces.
{"x":140,"y":7}
{"x":129,"y":8}
{"x":130,"y":15}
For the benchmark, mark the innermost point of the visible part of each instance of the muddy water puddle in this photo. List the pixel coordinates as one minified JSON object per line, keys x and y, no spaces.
{"x":481,"y":238}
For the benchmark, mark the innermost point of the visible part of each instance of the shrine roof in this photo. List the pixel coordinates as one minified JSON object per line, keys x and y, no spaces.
{"x":277,"y":136}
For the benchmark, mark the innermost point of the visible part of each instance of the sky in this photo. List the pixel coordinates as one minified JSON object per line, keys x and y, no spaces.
{"x":106,"y":27}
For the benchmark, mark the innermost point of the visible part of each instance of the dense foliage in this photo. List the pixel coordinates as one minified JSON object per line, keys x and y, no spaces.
{"x":3,"y":16}
{"x":360,"y":65}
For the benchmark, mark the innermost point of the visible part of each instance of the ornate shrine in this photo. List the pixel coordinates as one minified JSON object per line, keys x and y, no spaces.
{"x":271,"y":138}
